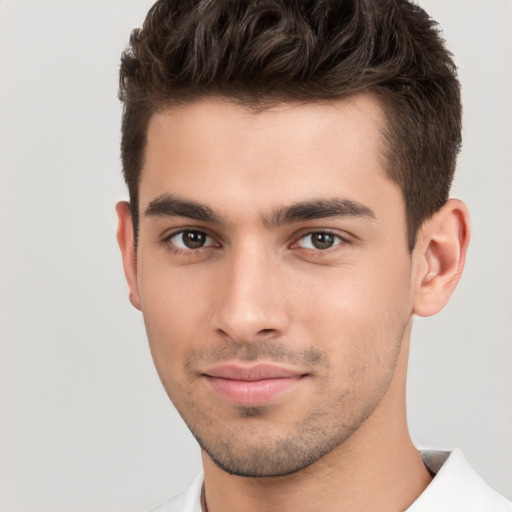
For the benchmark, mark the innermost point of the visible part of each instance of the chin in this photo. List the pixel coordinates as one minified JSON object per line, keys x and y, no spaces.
{"x":271,"y":458}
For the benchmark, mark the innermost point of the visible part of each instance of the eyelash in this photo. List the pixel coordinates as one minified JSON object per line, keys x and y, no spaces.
{"x":168,"y":241}
{"x":189,"y":251}
{"x":339,"y":240}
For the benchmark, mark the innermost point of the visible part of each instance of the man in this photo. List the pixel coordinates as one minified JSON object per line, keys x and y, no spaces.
{"x":289,"y":166}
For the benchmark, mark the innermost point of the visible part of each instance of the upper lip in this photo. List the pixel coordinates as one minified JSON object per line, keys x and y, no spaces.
{"x":254,"y":372}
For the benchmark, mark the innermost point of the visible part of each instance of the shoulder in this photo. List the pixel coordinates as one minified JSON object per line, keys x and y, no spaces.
{"x":456,"y":487}
{"x":187,"y":501}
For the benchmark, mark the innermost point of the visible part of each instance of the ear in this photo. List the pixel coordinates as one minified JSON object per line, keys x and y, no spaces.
{"x":126,"y":241}
{"x":439,"y":257}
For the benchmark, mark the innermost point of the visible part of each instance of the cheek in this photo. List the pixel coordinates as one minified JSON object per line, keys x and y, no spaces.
{"x":358,"y":312}
{"x":174,"y":315}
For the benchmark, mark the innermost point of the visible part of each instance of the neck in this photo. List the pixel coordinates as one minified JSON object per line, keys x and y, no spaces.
{"x":377,"y":468}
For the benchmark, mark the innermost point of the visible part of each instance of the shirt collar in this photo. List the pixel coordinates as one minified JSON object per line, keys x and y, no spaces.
{"x":456,"y":486}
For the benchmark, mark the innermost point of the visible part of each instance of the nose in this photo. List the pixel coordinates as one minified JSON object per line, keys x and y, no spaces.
{"x":250,"y":303}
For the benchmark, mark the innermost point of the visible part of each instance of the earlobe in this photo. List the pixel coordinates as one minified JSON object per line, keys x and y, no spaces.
{"x":439,"y":257}
{"x":126,"y":241}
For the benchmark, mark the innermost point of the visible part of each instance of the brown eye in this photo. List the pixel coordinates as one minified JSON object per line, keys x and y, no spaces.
{"x":190,"y":239}
{"x":320,"y":240}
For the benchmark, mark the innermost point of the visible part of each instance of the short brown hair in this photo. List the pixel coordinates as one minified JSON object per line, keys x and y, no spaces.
{"x":259,"y":52}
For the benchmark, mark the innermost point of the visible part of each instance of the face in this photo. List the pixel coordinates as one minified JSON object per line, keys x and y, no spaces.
{"x":273,"y":275}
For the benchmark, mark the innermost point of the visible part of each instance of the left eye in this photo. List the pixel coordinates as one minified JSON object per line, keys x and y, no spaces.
{"x":190,"y":239}
{"x":320,"y":240}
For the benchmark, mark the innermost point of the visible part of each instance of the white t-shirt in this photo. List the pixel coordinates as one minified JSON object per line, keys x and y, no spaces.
{"x":456,"y":487}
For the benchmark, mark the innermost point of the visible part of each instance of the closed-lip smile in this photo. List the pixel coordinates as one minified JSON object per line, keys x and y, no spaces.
{"x":255,"y":384}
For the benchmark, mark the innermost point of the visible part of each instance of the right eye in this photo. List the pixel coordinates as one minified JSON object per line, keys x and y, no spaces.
{"x":190,"y":239}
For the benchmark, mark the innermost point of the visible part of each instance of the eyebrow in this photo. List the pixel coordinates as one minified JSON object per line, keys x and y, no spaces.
{"x":171,"y":206}
{"x":168,"y":205}
{"x":319,"y":209}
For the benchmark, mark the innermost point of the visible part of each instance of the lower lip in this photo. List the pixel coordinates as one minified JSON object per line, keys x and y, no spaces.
{"x":257,"y":392}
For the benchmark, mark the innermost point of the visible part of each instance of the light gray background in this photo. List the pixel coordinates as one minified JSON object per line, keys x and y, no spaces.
{"x":85,"y":423}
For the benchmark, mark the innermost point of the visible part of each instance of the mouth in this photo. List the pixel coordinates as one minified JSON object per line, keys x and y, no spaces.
{"x":253,"y":385}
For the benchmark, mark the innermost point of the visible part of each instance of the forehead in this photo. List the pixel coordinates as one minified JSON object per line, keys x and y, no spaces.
{"x":218,"y":153}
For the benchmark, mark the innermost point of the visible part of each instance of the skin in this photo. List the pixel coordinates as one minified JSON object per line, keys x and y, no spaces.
{"x":258,"y":289}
